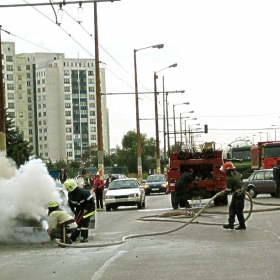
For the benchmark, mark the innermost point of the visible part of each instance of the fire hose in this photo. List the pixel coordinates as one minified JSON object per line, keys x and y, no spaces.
{"x":153,"y":218}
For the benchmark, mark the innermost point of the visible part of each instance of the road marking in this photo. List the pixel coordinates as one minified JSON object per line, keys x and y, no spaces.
{"x":98,"y":275}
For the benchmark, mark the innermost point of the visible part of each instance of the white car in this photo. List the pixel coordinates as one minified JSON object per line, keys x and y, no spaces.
{"x":125,"y":192}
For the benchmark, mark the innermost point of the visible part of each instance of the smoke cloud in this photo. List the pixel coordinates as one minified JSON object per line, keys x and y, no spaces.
{"x":24,"y":194}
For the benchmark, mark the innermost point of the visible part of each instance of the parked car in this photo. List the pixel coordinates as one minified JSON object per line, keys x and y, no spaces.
{"x":117,"y":176}
{"x":155,"y":184}
{"x":260,"y":182}
{"x":125,"y":192}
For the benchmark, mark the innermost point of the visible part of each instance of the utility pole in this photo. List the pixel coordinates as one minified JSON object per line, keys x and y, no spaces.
{"x":100,"y":152}
{"x":2,"y":104}
{"x":164,"y":132}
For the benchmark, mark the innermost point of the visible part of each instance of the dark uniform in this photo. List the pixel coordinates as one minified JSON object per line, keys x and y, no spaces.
{"x":181,"y":189}
{"x":276,"y":178}
{"x":235,"y":186}
{"x":82,"y":205}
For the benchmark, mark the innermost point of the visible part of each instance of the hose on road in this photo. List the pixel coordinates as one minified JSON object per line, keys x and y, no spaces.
{"x":153,"y":218}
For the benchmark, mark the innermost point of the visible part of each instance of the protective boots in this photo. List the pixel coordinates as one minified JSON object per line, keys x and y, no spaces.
{"x":84,"y":240}
{"x":241,"y":227}
{"x":228,"y":226}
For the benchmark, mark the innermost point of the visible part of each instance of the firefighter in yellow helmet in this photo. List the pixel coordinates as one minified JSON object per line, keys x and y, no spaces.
{"x":82,"y":204}
{"x":57,"y":219}
{"x":234,"y":186}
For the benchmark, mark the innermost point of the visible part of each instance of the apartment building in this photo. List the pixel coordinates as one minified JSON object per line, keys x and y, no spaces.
{"x":52,"y":99}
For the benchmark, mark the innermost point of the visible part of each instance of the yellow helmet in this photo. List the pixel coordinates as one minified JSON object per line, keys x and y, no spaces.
{"x":53,"y":204}
{"x":70,"y":185}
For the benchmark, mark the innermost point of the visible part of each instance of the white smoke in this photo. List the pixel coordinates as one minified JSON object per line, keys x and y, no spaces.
{"x":24,"y":194}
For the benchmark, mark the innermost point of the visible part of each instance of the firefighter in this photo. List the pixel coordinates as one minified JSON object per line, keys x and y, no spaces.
{"x":276,"y":178}
{"x":234,"y":186}
{"x":57,"y":219}
{"x":81,"y":203}
{"x":181,"y":189}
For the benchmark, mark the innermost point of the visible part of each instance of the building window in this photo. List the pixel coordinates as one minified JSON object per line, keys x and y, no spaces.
{"x":19,"y":77}
{"x":67,"y":89}
{"x":28,"y":83}
{"x":27,"y":67}
{"x":66,"y":72}
{"x":11,"y":105}
{"x":69,"y":137}
{"x":38,"y":82}
{"x":91,"y":89}
{"x":92,"y":121}
{"x":68,"y":129}
{"x":21,"y":114}
{"x":44,"y":114}
{"x":19,"y":68}
{"x":43,"y":81}
{"x":29,"y":107}
{"x":90,"y":73}
{"x":10,"y":86}
{"x":20,"y":96}
{"x":10,"y":77}
{"x":91,"y":81}
{"x":67,"y":97}
{"x":91,"y":97}
{"x":9,"y":58}
{"x":11,"y":96}
{"x":91,"y":105}
{"x":67,"y":105}
{"x":92,"y":113}
{"x":66,"y":81}
{"x":20,"y":86}
{"x":28,"y":91}
{"x":68,"y":113}
{"x":9,"y":68}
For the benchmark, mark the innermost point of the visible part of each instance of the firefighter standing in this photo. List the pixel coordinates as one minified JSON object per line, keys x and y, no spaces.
{"x":276,"y":178}
{"x":181,"y":189}
{"x":81,"y":203}
{"x":234,"y":186}
{"x":57,"y":219}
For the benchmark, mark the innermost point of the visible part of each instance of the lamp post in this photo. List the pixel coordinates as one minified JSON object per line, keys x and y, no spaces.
{"x":190,"y":132}
{"x":276,"y":126}
{"x":174,"y":120}
{"x":156,"y":116}
{"x":266,"y":135}
{"x":181,"y":130}
{"x":139,"y":161}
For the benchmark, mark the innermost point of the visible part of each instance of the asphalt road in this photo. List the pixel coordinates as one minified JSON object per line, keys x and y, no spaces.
{"x":194,"y":252}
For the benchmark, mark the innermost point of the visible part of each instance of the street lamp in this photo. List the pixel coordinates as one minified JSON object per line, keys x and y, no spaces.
{"x":174,"y":120}
{"x":181,"y":131}
{"x":266,"y":135}
{"x":139,"y":161}
{"x":156,"y":115}
{"x":190,"y":140}
{"x":276,"y":126}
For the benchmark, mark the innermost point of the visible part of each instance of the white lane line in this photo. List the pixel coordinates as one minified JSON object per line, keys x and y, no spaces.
{"x":160,"y":209}
{"x":97,"y":275}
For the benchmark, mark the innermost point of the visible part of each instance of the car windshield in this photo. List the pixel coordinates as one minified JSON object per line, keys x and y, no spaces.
{"x":156,"y":178}
{"x":125,"y":184}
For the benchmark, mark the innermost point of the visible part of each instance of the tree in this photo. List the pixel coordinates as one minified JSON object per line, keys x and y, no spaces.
{"x":16,"y":147}
{"x":126,"y":155}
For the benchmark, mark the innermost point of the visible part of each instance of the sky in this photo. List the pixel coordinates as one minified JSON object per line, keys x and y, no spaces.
{"x":228,"y":56}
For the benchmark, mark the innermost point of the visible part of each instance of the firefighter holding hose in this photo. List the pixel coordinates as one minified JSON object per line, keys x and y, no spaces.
{"x":234,"y":186}
{"x":82,"y":204}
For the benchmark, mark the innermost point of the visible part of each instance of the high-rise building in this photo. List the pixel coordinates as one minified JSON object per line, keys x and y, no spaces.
{"x":52,"y":99}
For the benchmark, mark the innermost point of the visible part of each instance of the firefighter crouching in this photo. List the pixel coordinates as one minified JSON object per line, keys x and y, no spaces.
{"x":59,"y":219}
{"x":82,"y":204}
{"x":234,"y":186}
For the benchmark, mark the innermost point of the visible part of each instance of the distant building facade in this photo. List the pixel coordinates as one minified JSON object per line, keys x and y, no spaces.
{"x":53,"y":102}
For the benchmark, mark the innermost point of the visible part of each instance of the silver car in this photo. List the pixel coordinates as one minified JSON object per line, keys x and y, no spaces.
{"x":260,"y":182}
{"x":125,"y":192}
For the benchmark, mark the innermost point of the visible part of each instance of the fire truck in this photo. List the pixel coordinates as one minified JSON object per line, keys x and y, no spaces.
{"x":264,"y":155}
{"x":208,"y":179}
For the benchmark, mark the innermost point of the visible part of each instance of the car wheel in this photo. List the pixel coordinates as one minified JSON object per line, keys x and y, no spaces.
{"x":114,"y":207}
{"x":108,"y":208}
{"x":252,"y":192}
{"x":272,"y":194}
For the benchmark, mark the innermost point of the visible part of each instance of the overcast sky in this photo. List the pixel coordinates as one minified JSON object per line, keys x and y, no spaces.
{"x":228,"y":55}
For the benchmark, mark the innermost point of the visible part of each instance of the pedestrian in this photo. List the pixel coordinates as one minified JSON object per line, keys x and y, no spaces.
{"x":98,"y":190}
{"x":181,"y":189}
{"x":110,"y":179}
{"x":235,"y":187}
{"x":57,"y":220}
{"x":82,"y":204}
{"x":276,"y":178}
{"x":63,"y":176}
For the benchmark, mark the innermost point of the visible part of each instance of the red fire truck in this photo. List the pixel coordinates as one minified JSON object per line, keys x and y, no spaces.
{"x":264,"y":155}
{"x":208,"y":179}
